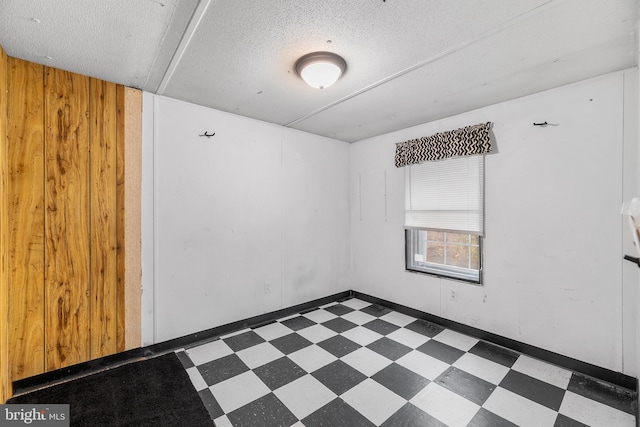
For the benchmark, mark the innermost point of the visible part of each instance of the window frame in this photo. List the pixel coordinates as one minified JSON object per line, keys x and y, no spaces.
{"x":436,"y":269}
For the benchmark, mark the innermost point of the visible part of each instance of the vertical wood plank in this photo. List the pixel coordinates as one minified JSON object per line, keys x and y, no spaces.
{"x":132,"y":216}
{"x":120,"y":216}
{"x":104,"y":280}
{"x":5,"y":383}
{"x":25,"y":221}
{"x":67,"y":334}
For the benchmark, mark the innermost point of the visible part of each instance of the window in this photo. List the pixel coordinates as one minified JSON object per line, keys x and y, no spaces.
{"x":444,"y":253}
{"x":444,"y":217}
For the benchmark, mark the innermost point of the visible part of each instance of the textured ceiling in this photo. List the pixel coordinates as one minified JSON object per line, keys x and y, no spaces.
{"x":409,"y":61}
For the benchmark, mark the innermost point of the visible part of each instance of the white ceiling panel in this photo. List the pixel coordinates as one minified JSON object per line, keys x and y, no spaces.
{"x":241,"y":58}
{"x":409,"y":61}
{"x":115,"y":40}
{"x":558,"y":45}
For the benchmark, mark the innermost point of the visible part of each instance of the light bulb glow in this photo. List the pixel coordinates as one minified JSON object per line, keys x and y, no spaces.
{"x":320,"y":69}
{"x":320,"y":74}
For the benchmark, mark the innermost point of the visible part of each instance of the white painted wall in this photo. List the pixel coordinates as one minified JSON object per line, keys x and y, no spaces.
{"x":313,"y":216}
{"x":255,"y":206}
{"x":553,"y":269}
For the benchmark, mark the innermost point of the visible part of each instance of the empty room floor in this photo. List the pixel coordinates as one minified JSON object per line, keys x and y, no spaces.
{"x":351,"y":363}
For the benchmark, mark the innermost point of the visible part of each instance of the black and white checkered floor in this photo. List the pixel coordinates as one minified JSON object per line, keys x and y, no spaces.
{"x":356,"y":364}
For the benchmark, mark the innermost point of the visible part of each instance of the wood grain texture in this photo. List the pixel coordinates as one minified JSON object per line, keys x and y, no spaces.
{"x":120,"y":226}
{"x":102,"y":142}
{"x":67,"y":241}
{"x":25,"y":220}
{"x":132,"y":216}
{"x":5,"y":382}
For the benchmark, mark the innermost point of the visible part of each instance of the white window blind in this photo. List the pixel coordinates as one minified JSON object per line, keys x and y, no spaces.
{"x":446,"y":195}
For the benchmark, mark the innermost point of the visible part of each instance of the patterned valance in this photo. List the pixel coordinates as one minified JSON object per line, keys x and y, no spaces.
{"x":465,"y":141}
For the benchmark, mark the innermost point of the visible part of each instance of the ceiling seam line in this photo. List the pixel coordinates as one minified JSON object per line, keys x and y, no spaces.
{"x":188,"y":34}
{"x":460,"y":46}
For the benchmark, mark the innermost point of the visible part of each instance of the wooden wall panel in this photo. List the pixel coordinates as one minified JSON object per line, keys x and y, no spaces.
{"x":132,"y":216}
{"x":120,"y":209}
{"x":5,"y":381}
{"x":102,"y":131}
{"x":25,"y":222}
{"x":68,"y":289}
{"x":67,"y":220}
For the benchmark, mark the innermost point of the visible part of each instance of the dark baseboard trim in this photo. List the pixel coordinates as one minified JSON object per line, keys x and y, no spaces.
{"x":82,"y":369}
{"x":569,"y":363}
{"x":92,"y":366}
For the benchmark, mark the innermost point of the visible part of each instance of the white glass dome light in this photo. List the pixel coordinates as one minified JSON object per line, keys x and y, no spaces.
{"x":320,"y":69}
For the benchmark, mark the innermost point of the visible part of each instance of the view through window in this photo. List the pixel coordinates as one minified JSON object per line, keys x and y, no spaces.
{"x":444,"y":253}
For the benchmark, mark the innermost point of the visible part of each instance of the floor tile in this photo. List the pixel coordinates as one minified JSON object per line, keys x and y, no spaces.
{"x":304,"y":396}
{"x":564,"y":421}
{"x":237,"y":391}
{"x":543,"y":371}
{"x":279,"y":372}
{"x":519,"y":410}
{"x":356,"y":303}
{"x":290,"y":343}
{"x":272,"y":331}
{"x":484,"y":418}
{"x":339,"y":346}
{"x":398,"y":319}
{"x":425,"y":328}
{"x":411,"y":416}
{"x":381,"y":327}
{"x":298,"y":322}
{"x":312,"y":358}
{"x":402,"y":381}
{"x":441,"y":351}
{"x":466,"y":385}
{"x":338,"y":364}
{"x":316,"y":333}
{"x":339,"y":309}
{"x":265,"y":411}
{"x":494,"y":353}
{"x":210,"y":402}
{"x":358,"y":317}
{"x":222,"y":369}
{"x":319,"y":315}
{"x":366,"y":361}
{"x":184,"y":359}
{"x":209,"y":351}
{"x":533,"y":389}
{"x":336,"y":414}
{"x":259,"y":354}
{"x":409,"y":338}
{"x":482,"y":368}
{"x":376,"y":310}
{"x":196,"y":379}
{"x":445,"y":405}
{"x":423,"y":364}
{"x":234,"y":333}
{"x":456,"y":340}
{"x":362,"y":335}
{"x":389,"y":348}
{"x":339,"y":325}
{"x":339,"y":376}
{"x":244,"y":340}
{"x":602,"y":392}
{"x":375,"y":402}
{"x":222,"y":421}
{"x":594,"y":413}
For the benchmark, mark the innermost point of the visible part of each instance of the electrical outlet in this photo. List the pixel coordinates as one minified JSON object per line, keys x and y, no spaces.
{"x":453,"y":295}
{"x":267,"y":287}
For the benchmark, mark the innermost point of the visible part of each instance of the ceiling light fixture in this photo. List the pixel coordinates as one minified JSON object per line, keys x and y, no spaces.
{"x":320,"y":69}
